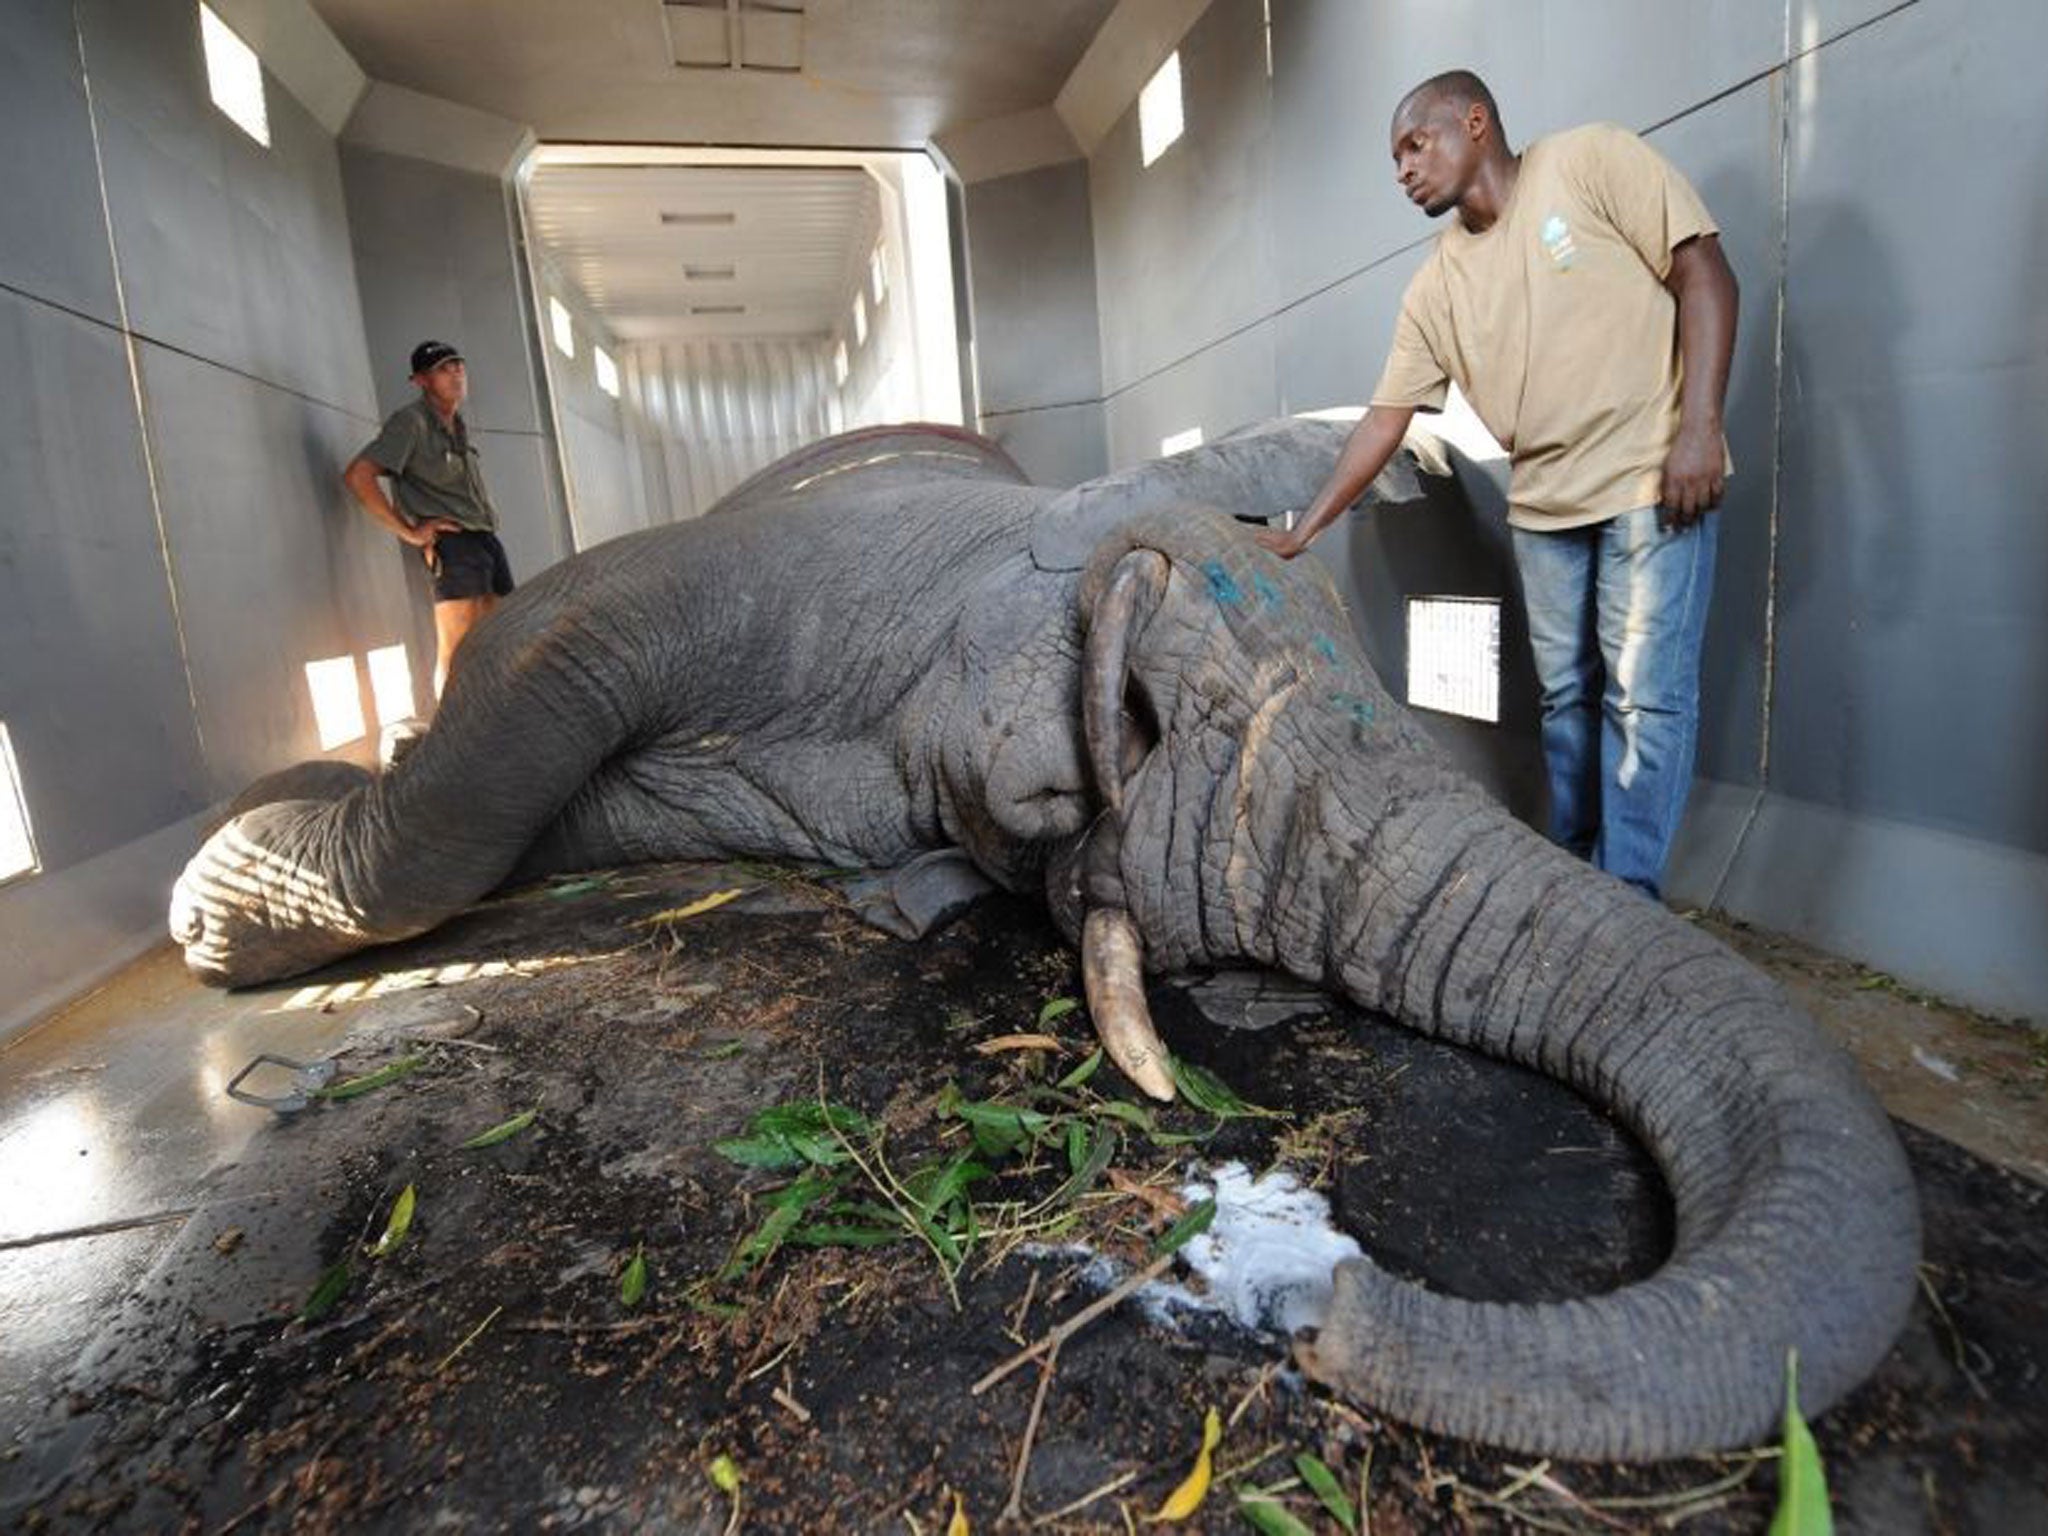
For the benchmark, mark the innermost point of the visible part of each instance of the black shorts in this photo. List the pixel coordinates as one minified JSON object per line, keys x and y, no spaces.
{"x":469,"y":565}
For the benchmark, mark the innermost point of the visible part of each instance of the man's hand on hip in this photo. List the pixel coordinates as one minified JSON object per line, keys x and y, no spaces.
{"x":421,"y":536}
{"x":1693,"y":478}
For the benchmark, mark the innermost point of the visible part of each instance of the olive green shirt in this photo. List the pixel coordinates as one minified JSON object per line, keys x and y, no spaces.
{"x":1556,"y":324}
{"x":433,"y":470}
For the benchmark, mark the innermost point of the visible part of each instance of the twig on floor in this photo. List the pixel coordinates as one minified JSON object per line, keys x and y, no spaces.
{"x":1015,"y":1328}
{"x":468,"y":1339}
{"x":1080,"y":1320}
{"x":1089,"y":1498}
{"x":1014,"y":1510}
{"x":566,"y":1325}
{"x":1256,"y":1389}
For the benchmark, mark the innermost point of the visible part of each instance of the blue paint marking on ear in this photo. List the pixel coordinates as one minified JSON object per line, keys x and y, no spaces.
{"x":1223,"y":585}
{"x":1364,"y":711}
{"x":1268,"y":593}
{"x":1328,"y":647}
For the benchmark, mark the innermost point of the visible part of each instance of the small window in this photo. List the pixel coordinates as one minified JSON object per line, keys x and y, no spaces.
{"x":839,"y":368}
{"x":860,"y":320}
{"x":563,"y":327}
{"x":337,"y":701}
{"x":607,"y":371}
{"x":1180,"y":442}
{"x":1159,"y":112}
{"x":390,"y":684}
{"x":878,"y":276}
{"x":17,"y":837}
{"x":1454,"y":655}
{"x":234,"y":77}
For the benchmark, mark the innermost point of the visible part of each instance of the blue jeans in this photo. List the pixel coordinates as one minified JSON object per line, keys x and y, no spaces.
{"x":1616,"y":611}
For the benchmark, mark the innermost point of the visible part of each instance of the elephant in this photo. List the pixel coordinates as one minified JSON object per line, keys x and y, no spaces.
{"x":891,"y":643}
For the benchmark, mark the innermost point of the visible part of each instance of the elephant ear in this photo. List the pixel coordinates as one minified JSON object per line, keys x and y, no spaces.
{"x":921,"y":896}
{"x":1257,"y":472}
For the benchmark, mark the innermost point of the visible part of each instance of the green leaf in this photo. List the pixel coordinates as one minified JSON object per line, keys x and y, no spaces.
{"x":791,"y":1135}
{"x":1058,"y":1008}
{"x":369,"y":1082}
{"x":1077,"y":1145}
{"x":786,"y":1211}
{"x":758,"y":1152}
{"x":576,"y":888}
{"x":397,"y":1224}
{"x":633,"y":1284}
{"x":1264,"y":1515}
{"x":934,"y":1187}
{"x":501,"y":1132}
{"x":999,"y":1129}
{"x":825,"y":1235}
{"x":1192,"y":1225}
{"x":726,"y":1474}
{"x":1802,"y":1484}
{"x":1209,"y":1093}
{"x":727,"y":1051}
{"x":327,"y":1291}
{"x":1129,"y":1113}
{"x":1101,"y":1153}
{"x":1323,"y":1482}
{"x":802,"y":1193}
{"x":1083,"y":1072}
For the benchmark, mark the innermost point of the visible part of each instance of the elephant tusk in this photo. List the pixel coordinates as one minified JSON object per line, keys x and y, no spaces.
{"x":1141,"y":574}
{"x":1112,"y":973}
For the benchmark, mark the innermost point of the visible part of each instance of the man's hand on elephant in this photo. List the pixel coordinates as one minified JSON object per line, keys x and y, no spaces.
{"x":1278,"y":541}
{"x":1693,"y":478}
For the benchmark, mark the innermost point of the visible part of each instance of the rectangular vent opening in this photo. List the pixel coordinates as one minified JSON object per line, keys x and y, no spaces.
{"x":1454,"y":656}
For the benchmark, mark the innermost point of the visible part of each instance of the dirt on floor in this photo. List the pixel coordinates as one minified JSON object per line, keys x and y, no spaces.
{"x":600,"y":1318}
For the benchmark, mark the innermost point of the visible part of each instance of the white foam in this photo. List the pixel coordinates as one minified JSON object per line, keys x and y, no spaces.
{"x":1266,"y":1258}
{"x":1264,"y":1263}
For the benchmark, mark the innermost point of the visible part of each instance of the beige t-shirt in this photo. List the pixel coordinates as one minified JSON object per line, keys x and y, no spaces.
{"x":1556,"y":325}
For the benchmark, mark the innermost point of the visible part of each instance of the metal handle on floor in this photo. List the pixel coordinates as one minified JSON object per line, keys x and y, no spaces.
{"x":308,"y":1078}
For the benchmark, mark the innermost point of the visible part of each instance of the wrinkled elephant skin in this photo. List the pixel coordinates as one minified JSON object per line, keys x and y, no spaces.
{"x":890,"y":644}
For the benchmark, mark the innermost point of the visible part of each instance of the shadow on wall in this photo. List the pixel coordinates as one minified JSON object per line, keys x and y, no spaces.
{"x":1454,"y":543}
{"x":1847,"y":564}
{"x":1733,"y":661}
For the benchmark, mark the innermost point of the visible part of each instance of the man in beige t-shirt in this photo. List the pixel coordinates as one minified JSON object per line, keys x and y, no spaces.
{"x":1581,"y":302}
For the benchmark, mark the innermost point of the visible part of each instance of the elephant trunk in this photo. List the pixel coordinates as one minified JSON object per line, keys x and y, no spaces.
{"x":1797,"y":1226}
{"x":1311,"y":828}
{"x":291,"y":884}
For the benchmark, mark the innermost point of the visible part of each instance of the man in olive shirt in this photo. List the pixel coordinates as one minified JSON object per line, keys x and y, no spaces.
{"x":443,"y":509}
{"x":1581,"y":302}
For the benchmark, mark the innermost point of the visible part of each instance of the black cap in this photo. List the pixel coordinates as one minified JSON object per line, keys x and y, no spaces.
{"x":429,"y":355}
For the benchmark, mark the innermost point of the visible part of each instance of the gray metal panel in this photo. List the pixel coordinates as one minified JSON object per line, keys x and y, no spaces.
{"x":1957,"y":915}
{"x":1730,"y":151}
{"x":1340,"y":68}
{"x":1032,"y":249}
{"x":1218,"y":389}
{"x":434,"y":258}
{"x":229,"y":250}
{"x":54,"y":241}
{"x":276,"y":566}
{"x":1183,"y":244}
{"x":1059,"y":445}
{"x":530,"y":519}
{"x":1913,"y":650}
{"x":85,"y":616}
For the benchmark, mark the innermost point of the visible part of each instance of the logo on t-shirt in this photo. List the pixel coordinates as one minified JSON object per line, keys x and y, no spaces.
{"x":1556,"y":236}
